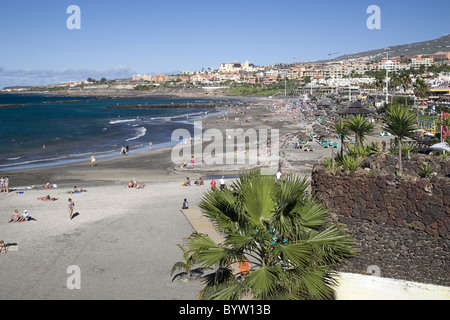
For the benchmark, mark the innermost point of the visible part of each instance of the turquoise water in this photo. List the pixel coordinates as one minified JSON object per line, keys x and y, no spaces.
{"x":73,"y":130}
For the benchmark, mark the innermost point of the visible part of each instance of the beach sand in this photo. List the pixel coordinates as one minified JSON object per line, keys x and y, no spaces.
{"x":123,"y":240}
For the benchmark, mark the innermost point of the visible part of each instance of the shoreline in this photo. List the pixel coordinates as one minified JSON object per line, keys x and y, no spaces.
{"x":159,"y":156}
{"x":123,"y":240}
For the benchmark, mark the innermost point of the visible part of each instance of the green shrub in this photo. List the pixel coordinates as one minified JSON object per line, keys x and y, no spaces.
{"x":350,"y":163}
{"x":425,"y":171}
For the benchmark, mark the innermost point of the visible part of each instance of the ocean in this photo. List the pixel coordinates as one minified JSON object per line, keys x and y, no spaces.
{"x":42,"y":130}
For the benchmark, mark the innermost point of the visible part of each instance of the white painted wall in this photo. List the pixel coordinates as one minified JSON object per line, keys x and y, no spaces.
{"x":362,"y":287}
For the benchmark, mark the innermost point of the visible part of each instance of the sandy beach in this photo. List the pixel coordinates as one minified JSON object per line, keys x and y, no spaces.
{"x":123,"y":240}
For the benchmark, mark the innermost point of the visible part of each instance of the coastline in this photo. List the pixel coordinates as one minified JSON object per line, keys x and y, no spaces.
{"x":124,"y":240}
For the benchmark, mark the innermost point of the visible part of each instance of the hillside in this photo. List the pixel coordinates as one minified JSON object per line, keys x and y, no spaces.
{"x":408,"y":50}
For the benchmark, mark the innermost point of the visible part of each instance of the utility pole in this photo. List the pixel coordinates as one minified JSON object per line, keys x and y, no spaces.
{"x":387,"y":76}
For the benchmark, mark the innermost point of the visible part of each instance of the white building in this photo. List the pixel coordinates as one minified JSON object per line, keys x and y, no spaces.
{"x":237,"y":66}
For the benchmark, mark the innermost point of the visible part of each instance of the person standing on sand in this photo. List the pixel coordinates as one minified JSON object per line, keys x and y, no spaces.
{"x":70,"y":206}
{"x":222,"y":183}
{"x":278,"y":176}
{"x":6,"y":184}
{"x":92,"y":160}
{"x":2,"y":184}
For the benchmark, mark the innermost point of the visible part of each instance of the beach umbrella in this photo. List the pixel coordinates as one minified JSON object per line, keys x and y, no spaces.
{"x":441,"y":146}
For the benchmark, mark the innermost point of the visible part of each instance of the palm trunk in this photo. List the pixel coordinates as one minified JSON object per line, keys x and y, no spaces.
{"x":400,"y":169}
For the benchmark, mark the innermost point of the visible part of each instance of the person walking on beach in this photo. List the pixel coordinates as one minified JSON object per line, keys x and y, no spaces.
{"x":213,"y":184}
{"x":92,"y":160}
{"x":6,"y":184}
{"x":70,"y":206}
{"x":222,"y":183}
{"x":278,"y":176}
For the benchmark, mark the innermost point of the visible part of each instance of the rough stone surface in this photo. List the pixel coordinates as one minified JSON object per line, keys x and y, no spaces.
{"x":400,"y":224}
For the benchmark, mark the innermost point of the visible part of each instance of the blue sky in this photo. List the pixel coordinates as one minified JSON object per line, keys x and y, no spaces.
{"x":122,"y":38}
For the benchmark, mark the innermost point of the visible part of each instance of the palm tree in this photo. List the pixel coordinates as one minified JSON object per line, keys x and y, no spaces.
{"x":405,"y":80}
{"x":361,"y":127}
{"x":400,"y":122}
{"x":420,"y":88}
{"x":394,"y":82}
{"x":186,"y":265}
{"x":342,"y":131}
{"x":281,"y":230}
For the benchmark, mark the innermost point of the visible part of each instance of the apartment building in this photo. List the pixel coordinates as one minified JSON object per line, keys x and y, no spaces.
{"x":421,"y":60}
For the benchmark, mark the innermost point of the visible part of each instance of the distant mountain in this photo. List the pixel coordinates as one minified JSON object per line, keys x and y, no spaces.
{"x":408,"y":50}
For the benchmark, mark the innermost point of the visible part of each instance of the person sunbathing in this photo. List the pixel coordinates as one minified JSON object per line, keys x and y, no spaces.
{"x":2,"y":247}
{"x":76,"y":190}
{"x":199,"y":182}
{"x":15,"y":216}
{"x":26,"y":217}
{"x":46,"y":198}
{"x":187,"y":182}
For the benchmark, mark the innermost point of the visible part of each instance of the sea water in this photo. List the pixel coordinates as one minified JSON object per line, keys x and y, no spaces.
{"x":48,"y":130}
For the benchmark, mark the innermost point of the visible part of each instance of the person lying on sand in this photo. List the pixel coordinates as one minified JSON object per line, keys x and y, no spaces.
{"x":76,"y":190}
{"x":48,"y":186}
{"x":47,"y":198}
{"x":15,"y":216}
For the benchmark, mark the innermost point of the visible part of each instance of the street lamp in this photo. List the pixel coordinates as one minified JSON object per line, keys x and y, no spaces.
{"x":387,"y":75}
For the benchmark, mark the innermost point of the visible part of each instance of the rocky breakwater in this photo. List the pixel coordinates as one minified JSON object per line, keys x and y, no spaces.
{"x":400,"y":224}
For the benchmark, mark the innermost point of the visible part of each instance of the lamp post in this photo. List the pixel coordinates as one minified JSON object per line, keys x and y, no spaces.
{"x":387,"y":76}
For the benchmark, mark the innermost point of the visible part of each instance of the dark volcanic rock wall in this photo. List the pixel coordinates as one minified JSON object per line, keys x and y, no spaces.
{"x":400,"y":224}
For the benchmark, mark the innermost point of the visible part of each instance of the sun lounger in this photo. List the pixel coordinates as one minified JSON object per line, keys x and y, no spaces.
{"x":13,"y":247}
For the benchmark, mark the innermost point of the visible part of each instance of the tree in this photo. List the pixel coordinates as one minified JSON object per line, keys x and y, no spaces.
{"x":342,"y":131}
{"x":281,"y":230}
{"x":361,"y":127}
{"x":186,"y":265}
{"x":400,"y":122}
{"x":405,"y":80}
{"x":420,"y":88}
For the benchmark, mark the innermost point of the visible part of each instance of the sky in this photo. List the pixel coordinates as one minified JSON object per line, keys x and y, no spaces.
{"x":119,"y":39}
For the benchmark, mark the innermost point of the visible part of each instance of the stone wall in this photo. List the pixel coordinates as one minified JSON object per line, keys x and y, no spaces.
{"x":400,"y":224}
